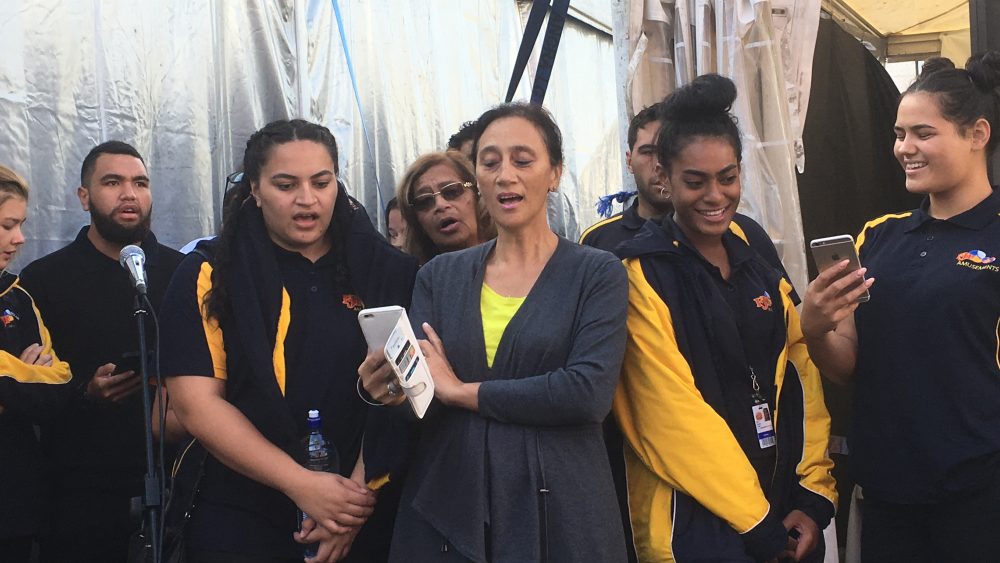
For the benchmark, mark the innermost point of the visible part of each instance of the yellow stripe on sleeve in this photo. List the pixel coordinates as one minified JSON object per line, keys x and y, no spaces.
{"x":679,"y":438}
{"x":284,"y":319}
{"x":815,"y":468}
{"x":874,"y":223}
{"x":213,"y":334}
{"x":11,"y":366}
{"x":598,"y":225}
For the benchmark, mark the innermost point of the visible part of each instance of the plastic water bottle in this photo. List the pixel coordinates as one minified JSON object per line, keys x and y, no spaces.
{"x":319,"y":456}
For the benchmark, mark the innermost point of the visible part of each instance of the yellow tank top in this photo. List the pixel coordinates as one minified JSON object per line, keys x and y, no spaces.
{"x":497,"y":311}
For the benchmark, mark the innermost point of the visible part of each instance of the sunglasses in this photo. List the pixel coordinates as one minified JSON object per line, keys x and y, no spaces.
{"x":450,"y":192}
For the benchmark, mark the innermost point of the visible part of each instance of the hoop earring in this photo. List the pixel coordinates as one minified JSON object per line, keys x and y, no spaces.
{"x":664,"y":193}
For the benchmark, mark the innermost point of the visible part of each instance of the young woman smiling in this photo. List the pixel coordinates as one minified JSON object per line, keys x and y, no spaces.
{"x":924,"y":352}
{"x":721,"y":409}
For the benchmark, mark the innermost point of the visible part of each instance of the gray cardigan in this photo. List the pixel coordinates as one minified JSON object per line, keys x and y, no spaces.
{"x":527,"y":477}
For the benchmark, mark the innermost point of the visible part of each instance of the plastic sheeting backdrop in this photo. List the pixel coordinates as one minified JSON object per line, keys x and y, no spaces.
{"x":187,"y":82}
{"x":766,"y":47}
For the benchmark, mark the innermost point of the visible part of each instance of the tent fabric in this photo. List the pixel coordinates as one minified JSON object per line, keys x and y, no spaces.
{"x":890,"y":17}
{"x":849,"y":135}
{"x":187,"y":83}
{"x":672,"y":41}
{"x":851,"y":178}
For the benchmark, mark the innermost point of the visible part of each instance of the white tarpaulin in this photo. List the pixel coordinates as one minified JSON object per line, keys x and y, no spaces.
{"x":766,"y":47}
{"x":187,"y":81}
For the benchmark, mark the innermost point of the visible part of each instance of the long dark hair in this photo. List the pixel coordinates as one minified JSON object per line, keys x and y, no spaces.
{"x":699,"y":109}
{"x":964,"y":95}
{"x":258,"y":151}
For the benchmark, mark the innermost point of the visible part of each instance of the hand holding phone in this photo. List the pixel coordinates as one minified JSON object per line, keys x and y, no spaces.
{"x":110,"y":384}
{"x":388,"y":329}
{"x":831,"y":251}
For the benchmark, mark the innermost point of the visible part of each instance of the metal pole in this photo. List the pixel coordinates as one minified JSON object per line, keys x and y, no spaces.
{"x":151,"y":498}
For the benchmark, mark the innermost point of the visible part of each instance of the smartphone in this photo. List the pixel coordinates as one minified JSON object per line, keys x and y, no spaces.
{"x":129,"y":361}
{"x":830,"y":251}
{"x":388,"y":329}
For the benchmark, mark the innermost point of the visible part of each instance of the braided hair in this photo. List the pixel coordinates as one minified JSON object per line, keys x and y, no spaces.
{"x":258,"y":151}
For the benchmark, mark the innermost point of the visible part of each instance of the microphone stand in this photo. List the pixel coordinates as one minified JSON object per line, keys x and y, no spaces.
{"x":151,"y":503}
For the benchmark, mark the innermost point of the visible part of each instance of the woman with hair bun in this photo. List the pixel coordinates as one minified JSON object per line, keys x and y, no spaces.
{"x":720,"y":406}
{"x":924,"y":352}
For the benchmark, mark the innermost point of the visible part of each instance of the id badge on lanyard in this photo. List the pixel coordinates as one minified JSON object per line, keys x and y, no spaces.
{"x":762,"y":416}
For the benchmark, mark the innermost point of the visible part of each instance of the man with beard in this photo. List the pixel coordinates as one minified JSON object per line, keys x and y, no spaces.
{"x":93,"y":442}
{"x":650,"y":201}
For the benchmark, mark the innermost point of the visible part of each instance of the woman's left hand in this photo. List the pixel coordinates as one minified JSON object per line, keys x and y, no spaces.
{"x":808,"y":533}
{"x":332,"y":546}
{"x":448,"y":387}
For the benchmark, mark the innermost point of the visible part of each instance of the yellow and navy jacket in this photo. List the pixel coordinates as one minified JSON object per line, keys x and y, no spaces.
{"x":608,"y":233}
{"x":684,"y":404}
{"x":25,"y":397}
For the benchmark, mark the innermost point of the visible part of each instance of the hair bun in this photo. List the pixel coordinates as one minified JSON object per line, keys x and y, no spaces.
{"x":706,"y":95}
{"x":984,"y":69}
{"x":935,"y":64}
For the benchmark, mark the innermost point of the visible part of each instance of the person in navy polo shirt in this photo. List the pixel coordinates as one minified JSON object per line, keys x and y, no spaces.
{"x":924,"y":352}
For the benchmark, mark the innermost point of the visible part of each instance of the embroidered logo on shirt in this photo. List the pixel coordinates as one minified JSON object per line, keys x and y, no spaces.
{"x":8,"y":317}
{"x":763,"y":302}
{"x":977,"y":260}
{"x":353,"y":302}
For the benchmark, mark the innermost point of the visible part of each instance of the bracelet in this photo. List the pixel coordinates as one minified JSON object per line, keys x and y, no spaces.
{"x":362,"y":395}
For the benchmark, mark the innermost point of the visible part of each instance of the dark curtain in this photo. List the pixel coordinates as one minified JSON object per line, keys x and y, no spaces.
{"x":851,"y":174}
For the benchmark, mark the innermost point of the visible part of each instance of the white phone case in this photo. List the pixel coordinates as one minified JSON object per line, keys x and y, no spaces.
{"x":388,"y":328}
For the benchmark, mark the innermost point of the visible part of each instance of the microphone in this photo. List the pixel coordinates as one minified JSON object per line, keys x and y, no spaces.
{"x":133,"y":259}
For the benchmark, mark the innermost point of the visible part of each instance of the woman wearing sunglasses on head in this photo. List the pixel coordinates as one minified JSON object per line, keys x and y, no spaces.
{"x":440,"y":201}
{"x":525,"y":336}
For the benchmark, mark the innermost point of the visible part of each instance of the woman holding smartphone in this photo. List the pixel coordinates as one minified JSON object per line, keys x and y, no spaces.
{"x":525,"y":336}
{"x":924,"y":352}
{"x":721,"y":409}
{"x":28,"y":369}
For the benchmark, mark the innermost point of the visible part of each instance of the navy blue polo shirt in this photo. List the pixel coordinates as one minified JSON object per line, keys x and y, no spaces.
{"x":926,"y":411}
{"x":323,"y":348}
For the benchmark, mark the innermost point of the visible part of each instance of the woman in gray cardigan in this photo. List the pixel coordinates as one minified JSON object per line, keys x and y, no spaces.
{"x":525,"y":337}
